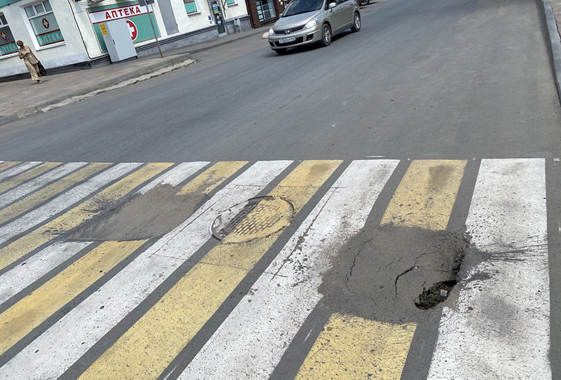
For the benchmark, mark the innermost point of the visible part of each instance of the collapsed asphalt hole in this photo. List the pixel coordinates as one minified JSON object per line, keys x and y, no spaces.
{"x":383,"y":272}
{"x":434,"y":295}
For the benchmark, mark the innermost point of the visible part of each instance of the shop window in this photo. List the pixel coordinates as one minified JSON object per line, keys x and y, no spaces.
{"x":44,"y":24}
{"x":191,"y":7}
{"x":265,"y":10}
{"x":7,"y":42}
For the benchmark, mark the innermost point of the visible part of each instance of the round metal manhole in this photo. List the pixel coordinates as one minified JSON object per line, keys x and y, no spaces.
{"x":254,"y":219}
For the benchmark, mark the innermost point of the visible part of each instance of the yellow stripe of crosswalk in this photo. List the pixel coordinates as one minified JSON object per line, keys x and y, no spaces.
{"x":49,"y":192}
{"x":355,"y":348}
{"x":8,"y":164}
{"x":350,"y":347}
{"x":426,"y":195}
{"x":27,"y":175}
{"x":212,"y":177}
{"x":148,"y":347}
{"x":20,"y":319}
{"x":78,"y":214}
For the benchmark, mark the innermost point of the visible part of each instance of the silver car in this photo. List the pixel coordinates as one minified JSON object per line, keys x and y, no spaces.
{"x":308,"y":21}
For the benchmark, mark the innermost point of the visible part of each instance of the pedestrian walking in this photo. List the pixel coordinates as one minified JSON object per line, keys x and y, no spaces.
{"x":31,"y":61}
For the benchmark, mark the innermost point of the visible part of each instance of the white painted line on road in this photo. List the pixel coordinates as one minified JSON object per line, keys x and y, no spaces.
{"x":499,"y":326}
{"x":63,"y":201}
{"x":28,"y":187}
{"x":66,"y":341}
{"x":26,"y":273}
{"x":17,"y":169}
{"x":175,"y":176}
{"x":252,"y":340}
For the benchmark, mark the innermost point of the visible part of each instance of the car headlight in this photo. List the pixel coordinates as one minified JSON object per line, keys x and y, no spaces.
{"x":311,"y":24}
{"x":271,"y":32}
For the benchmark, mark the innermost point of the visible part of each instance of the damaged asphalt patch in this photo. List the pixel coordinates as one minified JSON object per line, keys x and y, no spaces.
{"x":145,"y":216}
{"x":391,"y":273}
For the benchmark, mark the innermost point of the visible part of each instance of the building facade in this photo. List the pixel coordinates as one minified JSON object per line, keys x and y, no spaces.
{"x":65,"y":32}
{"x":263,"y":12}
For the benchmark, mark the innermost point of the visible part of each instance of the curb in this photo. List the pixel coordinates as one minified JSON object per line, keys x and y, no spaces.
{"x":26,"y":112}
{"x":549,"y":29}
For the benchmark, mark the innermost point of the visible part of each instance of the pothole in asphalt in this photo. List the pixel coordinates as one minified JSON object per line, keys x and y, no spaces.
{"x":394,"y":274}
{"x":257,"y":218}
{"x":434,"y":295}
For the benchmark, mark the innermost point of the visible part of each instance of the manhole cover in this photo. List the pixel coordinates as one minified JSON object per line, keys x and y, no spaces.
{"x":254,"y":219}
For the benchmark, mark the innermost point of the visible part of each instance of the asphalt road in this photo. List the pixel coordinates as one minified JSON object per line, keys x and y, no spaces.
{"x":434,"y":79}
{"x":423,"y":79}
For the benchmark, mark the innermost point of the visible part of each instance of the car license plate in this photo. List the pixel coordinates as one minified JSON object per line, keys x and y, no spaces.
{"x":287,"y":40}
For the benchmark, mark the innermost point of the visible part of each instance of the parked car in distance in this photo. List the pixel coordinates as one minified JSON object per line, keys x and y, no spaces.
{"x":306,"y":22}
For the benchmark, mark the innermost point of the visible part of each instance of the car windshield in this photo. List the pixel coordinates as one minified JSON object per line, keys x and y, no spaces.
{"x":302,"y":6}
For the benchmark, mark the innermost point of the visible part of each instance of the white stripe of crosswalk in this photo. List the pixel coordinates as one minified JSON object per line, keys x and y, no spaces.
{"x":29,"y":271}
{"x":29,"y":187}
{"x":502,"y":314}
{"x":251,"y":341}
{"x":499,"y":327}
{"x":64,"y":201}
{"x":17,"y":170}
{"x":58,"y":348}
{"x":175,"y":176}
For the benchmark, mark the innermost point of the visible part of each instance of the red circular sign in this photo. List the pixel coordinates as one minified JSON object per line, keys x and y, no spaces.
{"x":45,"y":23}
{"x":133,"y":29}
{"x":4,"y":36}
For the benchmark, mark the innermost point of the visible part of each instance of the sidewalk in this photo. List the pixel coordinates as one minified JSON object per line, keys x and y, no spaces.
{"x":556,"y":6}
{"x":550,"y":19}
{"x":22,"y":98}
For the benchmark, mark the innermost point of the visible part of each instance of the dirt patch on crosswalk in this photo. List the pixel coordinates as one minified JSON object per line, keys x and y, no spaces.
{"x":394,"y":274}
{"x":145,"y":216}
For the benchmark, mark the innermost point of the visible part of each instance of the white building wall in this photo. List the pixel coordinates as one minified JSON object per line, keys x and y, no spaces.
{"x":238,"y":9}
{"x":189,"y":23}
{"x":86,"y":29}
{"x":69,"y":52}
{"x":80,"y":41}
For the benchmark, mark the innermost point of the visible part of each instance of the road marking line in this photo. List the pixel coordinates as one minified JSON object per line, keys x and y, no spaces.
{"x":426,"y":194}
{"x":252,"y":340}
{"x":424,"y":198}
{"x":77,"y":215}
{"x":8,"y":164}
{"x":68,"y":339}
{"x":355,"y":348}
{"x":499,"y":327}
{"x":45,"y":194}
{"x":150,"y":345}
{"x":15,"y":280}
{"x":29,"y":187}
{"x":17,"y":170}
{"x":20,"y":319}
{"x":175,"y":176}
{"x":27,"y":175}
{"x":212,"y":177}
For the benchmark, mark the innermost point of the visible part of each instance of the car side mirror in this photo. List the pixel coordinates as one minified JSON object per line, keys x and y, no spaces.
{"x":332,"y":5}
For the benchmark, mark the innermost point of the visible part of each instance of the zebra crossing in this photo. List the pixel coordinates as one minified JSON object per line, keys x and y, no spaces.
{"x":224,"y":293}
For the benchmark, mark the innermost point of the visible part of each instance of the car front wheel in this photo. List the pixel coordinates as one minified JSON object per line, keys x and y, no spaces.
{"x":356,"y":24}
{"x":326,"y":35}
